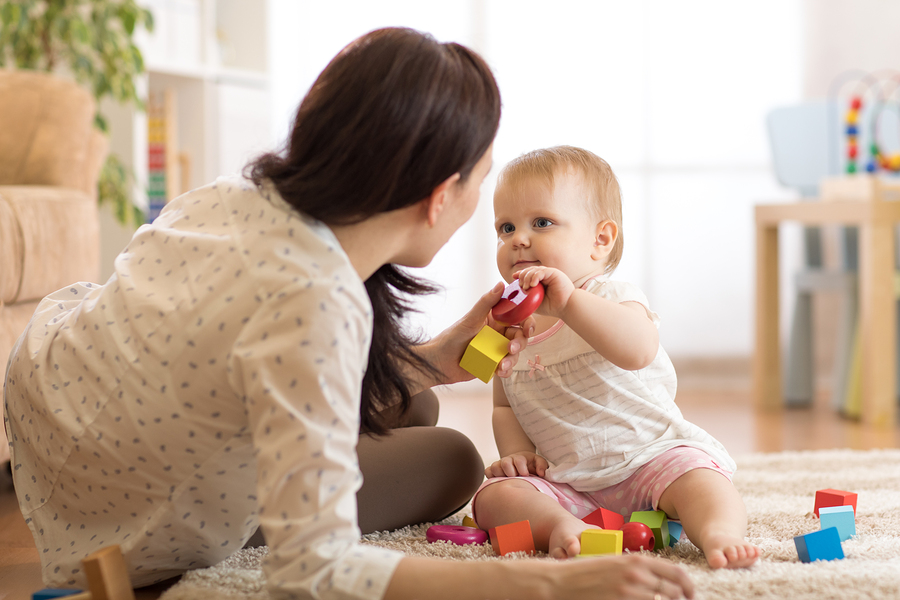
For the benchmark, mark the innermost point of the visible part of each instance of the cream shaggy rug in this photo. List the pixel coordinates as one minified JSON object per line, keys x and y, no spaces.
{"x":779,"y":491}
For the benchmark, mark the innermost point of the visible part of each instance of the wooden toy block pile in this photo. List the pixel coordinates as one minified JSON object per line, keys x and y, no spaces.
{"x":651,"y":530}
{"x":836,"y":510}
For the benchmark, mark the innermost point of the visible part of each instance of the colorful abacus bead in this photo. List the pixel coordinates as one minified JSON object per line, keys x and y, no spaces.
{"x":855,"y":103}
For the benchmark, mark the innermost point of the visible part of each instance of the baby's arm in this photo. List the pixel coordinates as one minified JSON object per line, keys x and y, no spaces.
{"x":517,"y":452}
{"x":620,"y":332}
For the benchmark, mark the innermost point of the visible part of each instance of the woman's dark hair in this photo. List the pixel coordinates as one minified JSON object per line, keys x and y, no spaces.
{"x":391,"y":117}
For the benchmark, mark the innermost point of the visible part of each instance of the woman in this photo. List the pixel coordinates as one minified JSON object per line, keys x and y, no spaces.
{"x":214,"y":382}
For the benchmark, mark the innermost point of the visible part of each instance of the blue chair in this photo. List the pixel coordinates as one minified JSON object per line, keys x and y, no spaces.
{"x":807,"y":143}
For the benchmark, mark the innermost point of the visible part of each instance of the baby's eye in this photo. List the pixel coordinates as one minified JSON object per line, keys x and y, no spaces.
{"x":541,"y":222}
{"x":506,"y":228}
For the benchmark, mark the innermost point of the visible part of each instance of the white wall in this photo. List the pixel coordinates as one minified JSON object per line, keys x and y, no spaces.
{"x":672,"y":94}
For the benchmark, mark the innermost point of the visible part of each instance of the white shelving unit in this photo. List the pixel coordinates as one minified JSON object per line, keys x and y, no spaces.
{"x":212,"y":56}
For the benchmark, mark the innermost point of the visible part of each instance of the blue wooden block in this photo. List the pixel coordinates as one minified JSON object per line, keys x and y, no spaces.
{"x":49,"y":593}
{"x":675,"y":530}
{"x":841,"y":517}
{"x":824,"y":544}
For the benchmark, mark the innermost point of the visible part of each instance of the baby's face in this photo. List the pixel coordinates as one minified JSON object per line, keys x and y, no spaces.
{"x":538,"y":226}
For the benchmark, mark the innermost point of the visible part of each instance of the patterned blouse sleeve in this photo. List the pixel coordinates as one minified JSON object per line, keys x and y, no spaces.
{"x":299,"y":364}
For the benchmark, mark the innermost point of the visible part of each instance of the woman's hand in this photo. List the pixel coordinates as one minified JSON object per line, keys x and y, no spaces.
{"x":558,"y":288}
{"x":446,"y":349}
{"x":518,"y":463}
{"x":627,"y":577}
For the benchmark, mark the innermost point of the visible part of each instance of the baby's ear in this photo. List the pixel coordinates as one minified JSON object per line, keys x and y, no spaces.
{"x":604,"y":239}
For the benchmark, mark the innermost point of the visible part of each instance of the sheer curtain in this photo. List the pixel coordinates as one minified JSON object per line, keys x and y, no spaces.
{"x":672,"y":94}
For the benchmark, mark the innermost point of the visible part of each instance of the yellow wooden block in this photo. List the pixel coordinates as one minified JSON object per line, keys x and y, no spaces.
{"x":601,"y":541}
{"x":469,"y":522}
{"x":484,"y":353}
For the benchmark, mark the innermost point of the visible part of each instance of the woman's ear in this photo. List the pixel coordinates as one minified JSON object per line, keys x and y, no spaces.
{"x":437,"y":201}
{"x":605,"y":239}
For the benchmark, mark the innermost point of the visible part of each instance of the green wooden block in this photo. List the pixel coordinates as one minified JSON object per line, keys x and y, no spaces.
{"x":657,"y":522}
{"x":484,"y":353}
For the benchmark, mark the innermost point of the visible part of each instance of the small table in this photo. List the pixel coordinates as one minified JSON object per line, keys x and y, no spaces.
{"x":876,"y":219}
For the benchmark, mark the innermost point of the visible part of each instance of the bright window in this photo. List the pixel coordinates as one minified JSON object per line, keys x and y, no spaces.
{"x":673,"y":94}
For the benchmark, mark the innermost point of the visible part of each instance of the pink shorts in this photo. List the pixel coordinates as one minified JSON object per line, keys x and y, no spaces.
{"x":641,"y":491}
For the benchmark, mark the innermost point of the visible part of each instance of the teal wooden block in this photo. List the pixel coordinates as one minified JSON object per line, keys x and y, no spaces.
{"x":675,"y":530}
{"x":824,"y":544}
{"x":841,"y":517}
{"x":657,"y":522}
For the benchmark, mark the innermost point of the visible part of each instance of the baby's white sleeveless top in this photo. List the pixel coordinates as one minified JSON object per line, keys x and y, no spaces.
{"x":594,"y":422}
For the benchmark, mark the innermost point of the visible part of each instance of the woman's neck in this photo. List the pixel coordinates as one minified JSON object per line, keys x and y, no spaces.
{"x":373,"y":243}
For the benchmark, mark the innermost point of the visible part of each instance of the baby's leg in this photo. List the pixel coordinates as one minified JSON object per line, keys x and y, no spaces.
{"x":713,"y":516}
{"x":555,"y":530}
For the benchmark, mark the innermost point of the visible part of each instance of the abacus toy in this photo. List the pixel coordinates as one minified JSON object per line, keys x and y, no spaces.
{"x":879,"y":88}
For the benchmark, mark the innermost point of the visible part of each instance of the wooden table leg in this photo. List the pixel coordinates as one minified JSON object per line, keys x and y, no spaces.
{"x":767,"y":357}
{"x":878,"y":322}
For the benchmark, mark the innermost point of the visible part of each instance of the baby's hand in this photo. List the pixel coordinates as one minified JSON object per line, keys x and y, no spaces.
{"x":558,"y":288}
{"x":518,"y":463}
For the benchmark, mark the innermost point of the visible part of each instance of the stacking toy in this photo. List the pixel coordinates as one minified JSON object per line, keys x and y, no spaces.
{"x":516,"y":304}
{"x":456,"y":534}
{"x":637,"y":536}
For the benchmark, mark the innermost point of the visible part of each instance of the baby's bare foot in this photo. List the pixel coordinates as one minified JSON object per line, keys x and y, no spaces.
{"x":565,"y":539}
{"x":727,"y":551}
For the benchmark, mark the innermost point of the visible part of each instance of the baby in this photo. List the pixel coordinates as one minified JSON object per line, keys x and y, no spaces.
{"x":588,"y":417}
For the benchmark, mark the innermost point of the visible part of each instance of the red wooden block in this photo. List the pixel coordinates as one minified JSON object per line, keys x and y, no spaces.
{"x":830,"y":497}
{"x":513,"y":537}
{"x":605,"y":519}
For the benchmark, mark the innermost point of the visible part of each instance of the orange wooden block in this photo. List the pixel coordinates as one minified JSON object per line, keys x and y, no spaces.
{"x":605,"y":519}
{"x":829,"y":497}
{"x":513,"y":537}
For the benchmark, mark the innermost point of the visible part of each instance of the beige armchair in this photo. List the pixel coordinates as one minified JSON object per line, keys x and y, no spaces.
{"x":50,"y":160}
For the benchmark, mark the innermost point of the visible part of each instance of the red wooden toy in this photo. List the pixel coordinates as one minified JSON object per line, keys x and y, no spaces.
{"x":513,"y":537}
{"x":605,"y":519}
{"x":636,"y":536}
{"x":831,"y":497}
{"x":516,"y":305}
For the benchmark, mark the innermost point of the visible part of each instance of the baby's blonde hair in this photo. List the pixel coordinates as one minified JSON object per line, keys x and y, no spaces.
{"x":605,"y":197}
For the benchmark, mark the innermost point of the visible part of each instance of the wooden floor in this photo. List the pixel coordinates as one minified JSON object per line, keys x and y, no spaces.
{"x":718,"y":403}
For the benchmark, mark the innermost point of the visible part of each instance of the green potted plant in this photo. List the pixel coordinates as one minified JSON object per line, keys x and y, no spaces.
{"x":94,"y":41}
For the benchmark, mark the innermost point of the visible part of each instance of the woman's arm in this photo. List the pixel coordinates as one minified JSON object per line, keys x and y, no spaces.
{"x":298,"y":375}
{"x":631,"y":577}
{"x":621,"y":333}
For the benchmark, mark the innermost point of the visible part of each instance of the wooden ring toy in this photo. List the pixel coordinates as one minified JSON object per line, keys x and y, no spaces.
{"x":457,"y":534}
{"x":516,"y":304}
